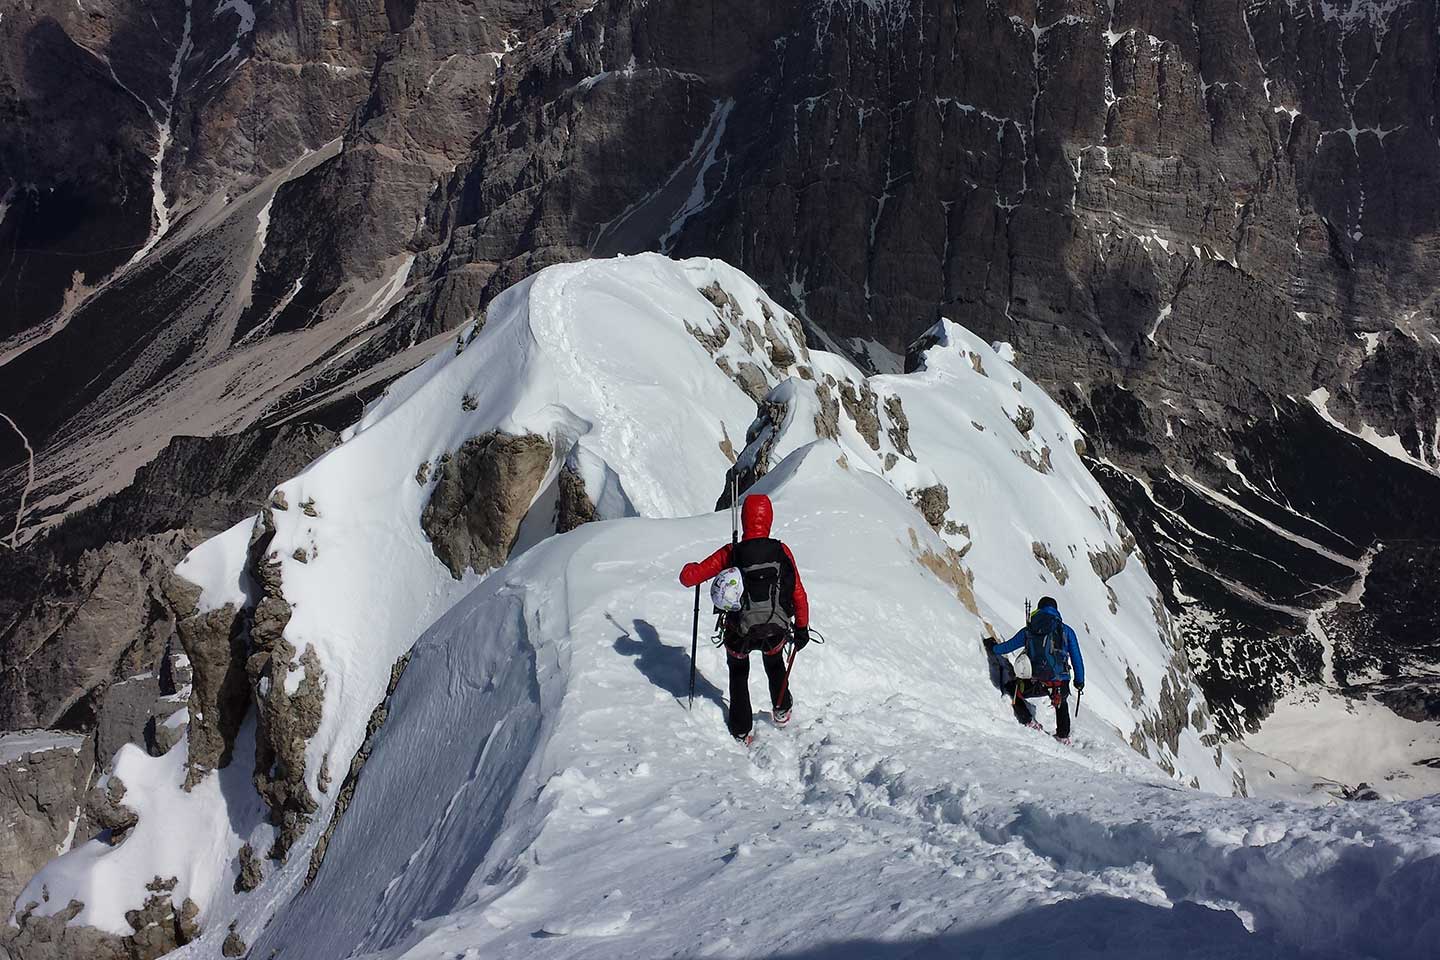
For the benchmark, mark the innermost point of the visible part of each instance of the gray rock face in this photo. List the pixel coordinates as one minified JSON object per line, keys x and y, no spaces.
{"x":756,"y":459}
{"x":42,"y":782}
{"x":88,"y":606}
{"x":483,"y":492}
{"x":933,"y":502}
{"x":159,"y":927}
{"x":286,"y":720}
{"x":106,"y":809}
{"x":1047,"y":559}
{"x":126,"y":713}
{"x":97,"y":96}
{"x":233,"y":946}
{"x":215,"y":643}
{"x":1249,"y":647}
{"x":51,"y":938}
{"x":1108,"y":562}
{"x":62,"y":651}
{"x":252,"y":871}
{"x":574,"y":506}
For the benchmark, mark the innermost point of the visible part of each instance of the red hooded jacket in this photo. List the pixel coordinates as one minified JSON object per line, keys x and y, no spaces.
{"x":755,"y":518}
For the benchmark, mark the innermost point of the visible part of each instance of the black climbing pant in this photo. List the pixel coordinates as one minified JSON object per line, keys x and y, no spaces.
{"x":741,"y":718}
{"x":1058,"y":695}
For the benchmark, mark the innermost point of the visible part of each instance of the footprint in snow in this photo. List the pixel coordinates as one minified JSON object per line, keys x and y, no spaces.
{"x":716,"y":947}
{"x":591,"y":927}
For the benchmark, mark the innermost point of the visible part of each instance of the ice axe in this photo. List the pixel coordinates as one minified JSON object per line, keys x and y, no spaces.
{"x":815,"y":637}
{"x":785,"y":685}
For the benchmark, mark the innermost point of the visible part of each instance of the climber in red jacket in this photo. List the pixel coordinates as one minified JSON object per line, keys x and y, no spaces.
{"x":773,"y":595}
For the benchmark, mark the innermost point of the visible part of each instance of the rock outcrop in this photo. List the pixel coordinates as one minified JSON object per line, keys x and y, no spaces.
{"x":43,"y":779}
{"x":287,"y":718}
{"x":574,"y":506}
{"x":933,"y":502}
{"x":100,"y":637}
{"x":215,"y":643}
{"x":90,"y":624}
{"x":481,"y":494}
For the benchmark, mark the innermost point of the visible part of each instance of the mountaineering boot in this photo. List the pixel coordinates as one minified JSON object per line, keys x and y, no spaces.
{"x":1034,"y":725}
{"x":780,"y":717}
{"x":1064,"y":740}
{"x":745,"y":740}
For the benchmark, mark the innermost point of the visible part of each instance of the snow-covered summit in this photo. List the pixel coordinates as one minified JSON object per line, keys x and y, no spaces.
{"x":540,"y":702}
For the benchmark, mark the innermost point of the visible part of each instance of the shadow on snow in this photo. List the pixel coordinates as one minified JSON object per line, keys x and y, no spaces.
{"x":665,"y":666}
{"x":1092,"y":928}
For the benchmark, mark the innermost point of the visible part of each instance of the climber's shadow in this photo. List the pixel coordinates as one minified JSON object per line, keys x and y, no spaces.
{"x":663,"y":665}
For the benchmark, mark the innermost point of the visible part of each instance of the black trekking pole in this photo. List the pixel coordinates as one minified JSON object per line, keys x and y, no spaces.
{"x":694,"y":647}
{"x":1078,"y":695}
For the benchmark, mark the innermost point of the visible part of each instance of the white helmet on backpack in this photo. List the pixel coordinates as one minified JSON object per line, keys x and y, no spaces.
{"x":727,"y":590}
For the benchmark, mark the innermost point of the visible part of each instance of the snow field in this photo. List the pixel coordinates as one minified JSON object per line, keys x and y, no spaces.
{"x":1351,"y":741}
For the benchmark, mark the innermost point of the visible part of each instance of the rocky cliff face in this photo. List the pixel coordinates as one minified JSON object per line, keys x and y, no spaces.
{"x":1208,"y":227}
{"x":42,"y":783}
{"x":1121,"y":189}
{"x":88,"y":605}
{"x":125,"y":118}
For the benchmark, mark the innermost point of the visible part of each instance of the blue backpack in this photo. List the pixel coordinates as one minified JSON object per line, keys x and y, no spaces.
{"x":1045,"y":646}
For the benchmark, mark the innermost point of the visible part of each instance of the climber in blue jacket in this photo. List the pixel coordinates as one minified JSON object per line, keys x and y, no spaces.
{"x":1051,"y":648}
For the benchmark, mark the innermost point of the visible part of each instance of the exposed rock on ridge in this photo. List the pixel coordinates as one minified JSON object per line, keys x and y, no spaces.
{"x":481,"y":494}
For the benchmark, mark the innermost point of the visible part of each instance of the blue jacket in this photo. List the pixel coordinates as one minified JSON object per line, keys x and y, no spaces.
{"x":1072,"y":647}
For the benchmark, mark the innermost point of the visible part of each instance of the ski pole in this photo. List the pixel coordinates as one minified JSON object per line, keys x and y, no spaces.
{"x":694,"y":646}
{"x":1078,"y":695}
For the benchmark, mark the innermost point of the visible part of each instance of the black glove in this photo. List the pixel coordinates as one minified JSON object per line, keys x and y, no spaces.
{"x":802,"y":637}
{"x":1079,"y":687}
{"x":989,"y":643}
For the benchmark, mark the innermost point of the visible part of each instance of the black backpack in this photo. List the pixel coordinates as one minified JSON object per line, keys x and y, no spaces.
{"x":768,"y":602}
{"x":1045,"y":646}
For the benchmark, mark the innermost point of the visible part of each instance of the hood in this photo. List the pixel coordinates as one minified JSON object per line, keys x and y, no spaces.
{"x":756,"y":516}
{"x":1044,"y":619}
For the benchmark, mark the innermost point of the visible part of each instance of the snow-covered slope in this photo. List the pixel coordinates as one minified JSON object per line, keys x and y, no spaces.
{"x":541,"y":790}
{"x":535,"y":754}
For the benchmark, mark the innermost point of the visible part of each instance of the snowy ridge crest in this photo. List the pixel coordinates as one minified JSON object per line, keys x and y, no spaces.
{"x":611,"y":367}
